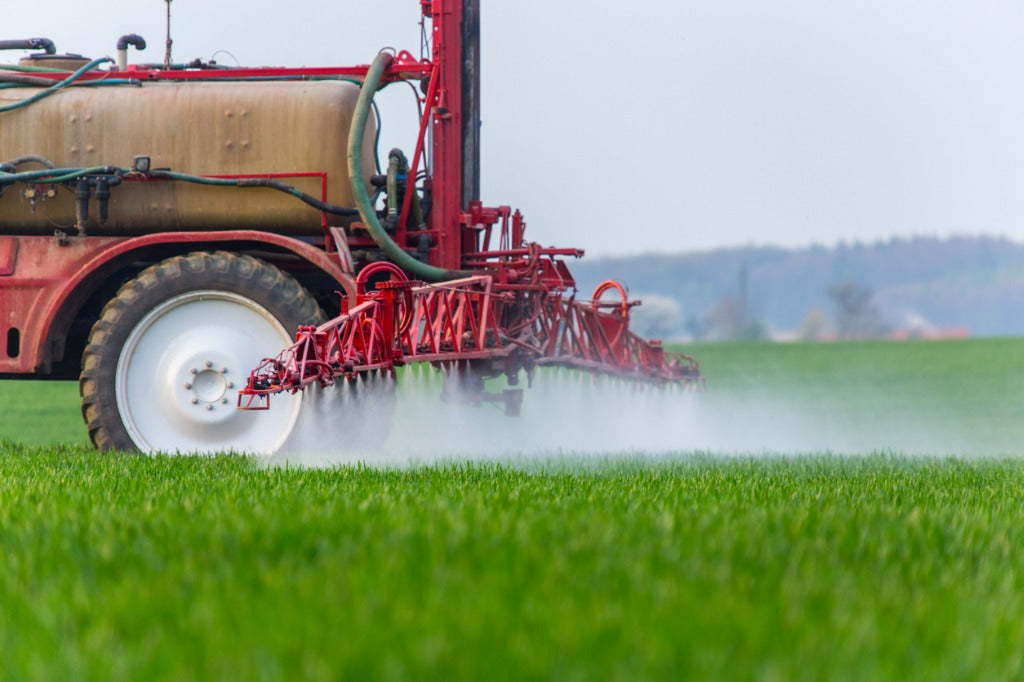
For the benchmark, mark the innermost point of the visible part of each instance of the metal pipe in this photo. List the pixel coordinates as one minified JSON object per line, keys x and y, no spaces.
{"x":44,"y":44}
{"x":470,"y":33}
{"x":392,"y":185}
{"x":122,"y":48}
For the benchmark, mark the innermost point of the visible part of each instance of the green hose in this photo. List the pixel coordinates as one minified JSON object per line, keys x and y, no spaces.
{"x":30,"y":69}
{"x":53,"y":175}
{"x":197,"y":179}
{"x":58,"y":86}
{"x":5,"y":85}
{"x":393,"y":251}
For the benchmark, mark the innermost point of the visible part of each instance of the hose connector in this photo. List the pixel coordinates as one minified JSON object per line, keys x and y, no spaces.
{"x":83,"y":191}
{"x":102,"y":198}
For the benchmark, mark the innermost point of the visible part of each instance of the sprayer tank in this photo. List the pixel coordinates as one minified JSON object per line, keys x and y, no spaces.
{"x":225,"y":128}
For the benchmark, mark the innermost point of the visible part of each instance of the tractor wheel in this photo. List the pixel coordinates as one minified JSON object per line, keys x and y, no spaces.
{"x":164,"y":362}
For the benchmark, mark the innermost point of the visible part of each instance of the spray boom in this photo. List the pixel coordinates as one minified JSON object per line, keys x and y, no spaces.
{"x":490,"y":311}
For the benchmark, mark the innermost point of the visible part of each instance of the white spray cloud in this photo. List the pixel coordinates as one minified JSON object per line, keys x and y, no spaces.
{"x":573,"y":415}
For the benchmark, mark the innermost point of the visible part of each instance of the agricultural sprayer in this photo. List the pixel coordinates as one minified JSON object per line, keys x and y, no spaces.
{"x":176,"y":226}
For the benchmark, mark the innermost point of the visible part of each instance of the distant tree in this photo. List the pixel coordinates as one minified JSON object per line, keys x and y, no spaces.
{"x":857,"y":316}
{"x":731,"y":321}
{"x":814,"y":326}
{"x":731,"y":318}
{"x":975,"y":282}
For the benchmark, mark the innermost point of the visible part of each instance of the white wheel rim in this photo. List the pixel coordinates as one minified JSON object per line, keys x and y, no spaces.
{"x":180,"y":370}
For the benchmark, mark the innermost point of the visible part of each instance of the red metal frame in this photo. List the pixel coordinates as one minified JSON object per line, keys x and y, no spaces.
{"x":458,"y":323}
{"x":404,"y":67}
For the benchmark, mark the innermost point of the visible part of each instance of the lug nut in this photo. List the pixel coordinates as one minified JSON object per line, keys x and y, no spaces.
{"x":187,"y":385}
{"x":194,"y":370}
{"x":209,"y":406}
{"x":208,"y":364}
{"x":195,"y":401}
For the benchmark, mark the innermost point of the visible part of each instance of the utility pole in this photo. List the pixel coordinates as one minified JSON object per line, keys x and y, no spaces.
{"x":167,"y":49}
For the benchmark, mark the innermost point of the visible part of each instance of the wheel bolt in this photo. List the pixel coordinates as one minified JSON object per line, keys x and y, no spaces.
{"x":224,"y":401}
{"x":194,"y":370}
{"x":231,"y":384}
{"x":208,"y":364}
{"x":187,"y":385}
{"x":209,"y":406}
{"x":195,"y":401}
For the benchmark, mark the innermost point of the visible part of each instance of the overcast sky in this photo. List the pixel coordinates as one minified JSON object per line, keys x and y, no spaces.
{"x":674,"y":125}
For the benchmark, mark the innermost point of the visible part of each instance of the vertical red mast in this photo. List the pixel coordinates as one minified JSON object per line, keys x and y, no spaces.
{"x":446,"y":130}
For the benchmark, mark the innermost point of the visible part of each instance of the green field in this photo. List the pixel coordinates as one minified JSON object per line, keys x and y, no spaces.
{"x":959,"y":397}
{"x":862,"y":564}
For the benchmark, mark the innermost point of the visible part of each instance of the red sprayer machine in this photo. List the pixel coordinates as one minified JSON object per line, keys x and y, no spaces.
{"x":186,"y":230}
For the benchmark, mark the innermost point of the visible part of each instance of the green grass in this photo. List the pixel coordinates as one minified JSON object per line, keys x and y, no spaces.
{"x":975,"y":376}
{"x":861,"y":568}
{"x":962,"y":397}
{"x":41,"y":412}
{"x":866,"y":566}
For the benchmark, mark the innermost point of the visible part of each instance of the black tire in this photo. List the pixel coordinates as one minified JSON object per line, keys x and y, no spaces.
{"x":173,"y":302}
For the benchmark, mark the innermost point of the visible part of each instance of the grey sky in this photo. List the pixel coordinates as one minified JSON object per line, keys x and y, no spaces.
{"x":670,"y":126}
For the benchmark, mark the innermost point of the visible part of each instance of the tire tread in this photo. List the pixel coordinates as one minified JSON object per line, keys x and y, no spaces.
{"x":237,"y":272}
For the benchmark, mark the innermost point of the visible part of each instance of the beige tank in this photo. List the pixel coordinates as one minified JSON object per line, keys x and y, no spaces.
{"x":194,"y":128}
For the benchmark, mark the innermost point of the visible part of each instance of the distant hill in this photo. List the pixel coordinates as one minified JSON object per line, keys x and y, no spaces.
{"x":919,"y":283}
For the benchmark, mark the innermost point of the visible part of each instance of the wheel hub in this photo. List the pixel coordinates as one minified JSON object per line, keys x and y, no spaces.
{"x":209,"y":385}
